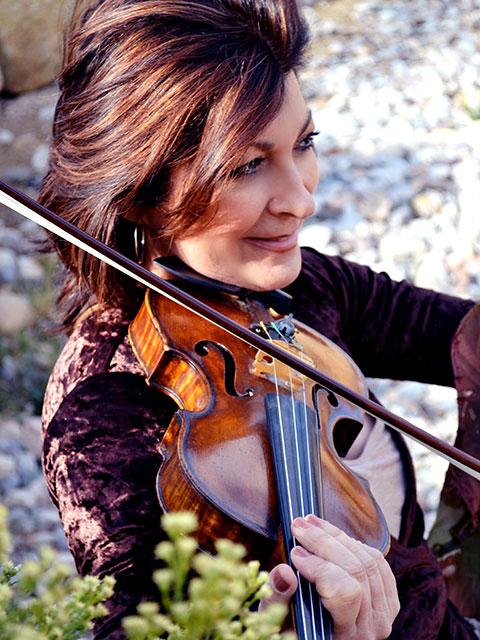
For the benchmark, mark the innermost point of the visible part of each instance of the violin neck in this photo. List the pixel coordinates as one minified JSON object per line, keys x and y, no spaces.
{"x":295,"y":449}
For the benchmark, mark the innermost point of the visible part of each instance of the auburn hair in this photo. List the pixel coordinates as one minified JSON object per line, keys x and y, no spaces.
{"x":148,"y":86}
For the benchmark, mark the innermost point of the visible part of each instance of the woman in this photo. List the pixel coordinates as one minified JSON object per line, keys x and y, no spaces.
{"x":181,"y":131}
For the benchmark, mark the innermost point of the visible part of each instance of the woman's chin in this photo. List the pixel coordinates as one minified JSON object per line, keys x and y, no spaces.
{"x":275,"y":277}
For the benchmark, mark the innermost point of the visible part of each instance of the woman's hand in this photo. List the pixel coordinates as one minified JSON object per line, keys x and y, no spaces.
{"x":354,"y":580}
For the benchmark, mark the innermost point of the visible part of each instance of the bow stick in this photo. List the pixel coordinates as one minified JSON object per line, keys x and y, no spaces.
{"x":39,"y":214}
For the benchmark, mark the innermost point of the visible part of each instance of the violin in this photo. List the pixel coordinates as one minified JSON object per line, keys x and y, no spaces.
{"x":275,"y":383}
{"x":252,"y":443}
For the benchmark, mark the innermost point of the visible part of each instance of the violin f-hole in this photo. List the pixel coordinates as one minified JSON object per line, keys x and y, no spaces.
{"x":331,"y":397}
{"x":202,"y":349}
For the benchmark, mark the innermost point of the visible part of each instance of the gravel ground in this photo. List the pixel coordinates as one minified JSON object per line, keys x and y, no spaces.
{"x":394,"y":90}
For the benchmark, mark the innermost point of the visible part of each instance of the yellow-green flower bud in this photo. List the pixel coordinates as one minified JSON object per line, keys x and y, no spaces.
{"x":165,"y":551}
{"x":264,"y":592}
{"x":47,"y":556}
{"x":135,"y":627}
{"x":179,"y":523}
{"x":230,"y":550}
{"x":163,"y":578}
{"x":186,"y":546}
{"x":148,"y":608}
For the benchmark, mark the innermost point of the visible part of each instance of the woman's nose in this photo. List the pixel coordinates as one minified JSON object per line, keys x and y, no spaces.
{"x":293,"y":194}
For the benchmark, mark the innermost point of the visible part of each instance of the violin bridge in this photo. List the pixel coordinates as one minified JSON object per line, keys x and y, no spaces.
{"x":267,"y":367}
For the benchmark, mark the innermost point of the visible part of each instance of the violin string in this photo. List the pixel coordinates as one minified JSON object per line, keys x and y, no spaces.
{"x":287,"y":474}
{"x":289,"y":492}
{"x":310,"y":495}
{"x":313,"y":508}
{"x":303,"y":494}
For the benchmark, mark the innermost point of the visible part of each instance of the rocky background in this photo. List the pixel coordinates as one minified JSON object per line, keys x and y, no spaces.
{"x":396,"y":95}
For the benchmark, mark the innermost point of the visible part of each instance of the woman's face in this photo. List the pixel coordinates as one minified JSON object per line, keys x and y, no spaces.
{"x":253,"y":239}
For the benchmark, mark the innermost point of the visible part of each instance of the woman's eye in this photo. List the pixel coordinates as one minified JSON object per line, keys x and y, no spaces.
{"x":307,"y":142}
{"x":251,"y":167}
{"x":248,"y":168}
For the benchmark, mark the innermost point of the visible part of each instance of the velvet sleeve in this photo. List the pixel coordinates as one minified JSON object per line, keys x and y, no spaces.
{"x":101,"y":457}
{"x":391,"y":329}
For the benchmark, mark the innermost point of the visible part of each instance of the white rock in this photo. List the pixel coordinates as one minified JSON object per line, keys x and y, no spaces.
{"x":6,"y":137}
{"x":20,"y":522}
{"x":437,"y":111}
{"x":401,"y":193}
{"x":16,"y":312}
{"x":38,"y":489}
{"x":390,"y":170}
{"x":47,"y":113}
{"x":26,"y":466}
{"x":439,"y":172}
{"x":31,"y":42}
{"x":65,"y":557}
{"x":8,"y":265}
{"x":22,"y":497}
{"x":315,"y":235}
{"x":401,"y":245}
{"x":428,"y":203}
{"x":421,"y":228}
{"x":39,"y":159}
{"x":30,"y":435}
{"x":431,"y":272}
{"x":375,"y":205}
{"x":9,"y":429}
{"x":468,"y":44}
{"x":365,"y":108}
{"x":8,"y":366}
{"x":348,"y":219}
{"x":7,"y":465}
{"x":40,"y":539}
{"x":11,"y":238}
{"x":47,"y":519}
{"x":29,"y":269}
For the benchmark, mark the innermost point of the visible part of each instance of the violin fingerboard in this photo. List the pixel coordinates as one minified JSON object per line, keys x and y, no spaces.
{"x":295,"y":445}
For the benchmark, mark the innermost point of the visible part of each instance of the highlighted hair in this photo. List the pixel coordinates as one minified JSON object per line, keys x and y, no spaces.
{"x":149,"y":86}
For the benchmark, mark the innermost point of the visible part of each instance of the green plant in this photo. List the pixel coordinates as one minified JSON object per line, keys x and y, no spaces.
{"x":205,"y":597}
{"x":41,"y":600}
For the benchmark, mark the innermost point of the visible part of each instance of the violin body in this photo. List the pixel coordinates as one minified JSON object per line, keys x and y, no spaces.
{"x":217,"y":451}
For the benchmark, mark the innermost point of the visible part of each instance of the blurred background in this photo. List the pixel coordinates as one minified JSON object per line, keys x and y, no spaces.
{"x":395,"y":92}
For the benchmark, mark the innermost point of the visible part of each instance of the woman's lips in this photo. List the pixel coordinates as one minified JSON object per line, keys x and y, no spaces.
{"x":277,"y":243}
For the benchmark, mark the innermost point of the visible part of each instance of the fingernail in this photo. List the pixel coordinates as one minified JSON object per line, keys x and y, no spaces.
{"x":315,"y":520}
{"x":280,"y":585}
{"x":301,"y":523}
{"x":300,"y":551}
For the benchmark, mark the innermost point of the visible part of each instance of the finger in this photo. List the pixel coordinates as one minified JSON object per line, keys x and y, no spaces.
{"x":365,"y":564}
{"x":377,"y":608}
{"x":384,"y":591}
{"x":373,"y":570}
{"x":361,"y":561}
{"x":283,"y":583}
{"x":326,"y":541}
{"x":340,"y":593}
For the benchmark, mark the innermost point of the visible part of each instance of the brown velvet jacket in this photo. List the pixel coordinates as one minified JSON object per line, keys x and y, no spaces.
{"x":103,"y":426}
